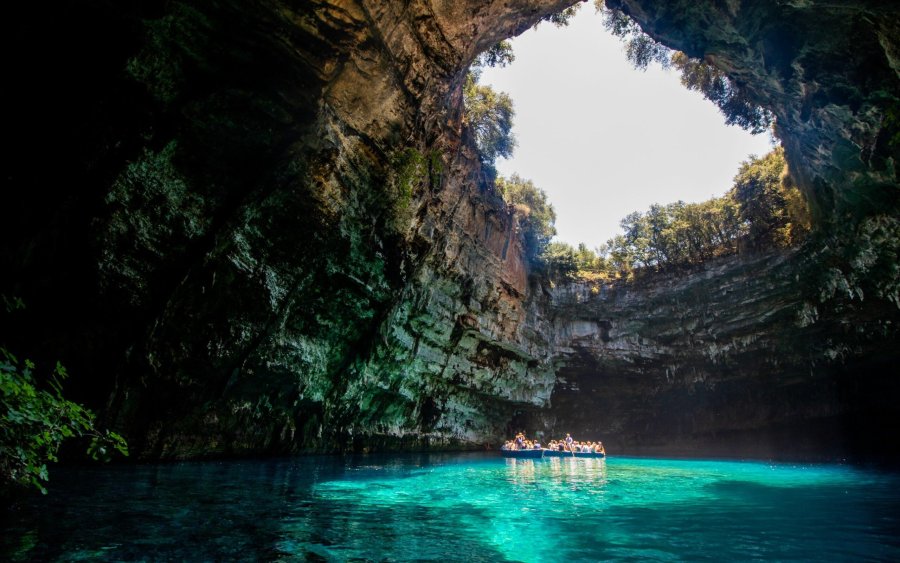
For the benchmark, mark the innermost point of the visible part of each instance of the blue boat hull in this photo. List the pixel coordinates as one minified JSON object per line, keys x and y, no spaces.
{"x":555,"y":453}
{"x":538,"y":454}
{"x":523,"y":454}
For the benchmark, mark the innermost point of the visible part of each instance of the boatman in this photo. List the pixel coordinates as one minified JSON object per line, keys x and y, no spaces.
{"x":569,"y":441}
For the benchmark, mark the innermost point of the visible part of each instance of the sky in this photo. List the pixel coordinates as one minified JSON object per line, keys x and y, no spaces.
{"x":603,"y":139}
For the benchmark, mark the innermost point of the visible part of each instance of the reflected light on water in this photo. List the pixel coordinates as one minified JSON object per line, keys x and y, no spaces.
{"x":460,"y":508}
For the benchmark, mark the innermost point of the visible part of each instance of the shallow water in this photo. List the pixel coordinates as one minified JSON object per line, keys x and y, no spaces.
{"x":466,"y":507}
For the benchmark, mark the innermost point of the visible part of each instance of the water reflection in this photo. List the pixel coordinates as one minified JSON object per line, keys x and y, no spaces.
{"x":558,"y":470}
{"x":472,"y":508}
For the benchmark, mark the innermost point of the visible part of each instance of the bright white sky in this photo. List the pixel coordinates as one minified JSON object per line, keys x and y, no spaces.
{"x":603,"y":139}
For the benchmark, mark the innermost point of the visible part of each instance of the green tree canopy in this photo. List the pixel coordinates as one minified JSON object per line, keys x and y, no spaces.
{"x":537,"y":216}
{"x":489,"y":115}
{"x":732,"y":97}
{"x":763,"y":209}
{"x":771,"y":206}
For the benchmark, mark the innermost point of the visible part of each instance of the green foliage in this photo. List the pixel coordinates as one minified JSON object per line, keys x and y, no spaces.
{"x":563,"y":261}
{"x":536,"y":215}
{"x":764,"y":209}
{"x":559,"y":262}
{"x":37,"y":421}
{"x":640,"y":49}
{"x":733,"y":99}
{"x":11,"y":304}
{"x":500,"y":54}
{"x":676,"y":234}
{"x":771,"y":206}
{"x":561,"y":18}
{"x":410,"y":169}
{"x":489,"y":115}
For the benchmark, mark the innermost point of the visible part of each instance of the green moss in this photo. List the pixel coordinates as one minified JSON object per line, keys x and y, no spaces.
{"x":410,"y":169}
{"x":175,"y":43}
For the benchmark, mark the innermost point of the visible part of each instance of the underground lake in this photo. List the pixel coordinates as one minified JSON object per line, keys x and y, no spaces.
{"x":460,"y":507}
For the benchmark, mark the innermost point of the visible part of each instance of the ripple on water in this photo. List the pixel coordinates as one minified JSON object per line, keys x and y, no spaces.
{"x":461,"y":507}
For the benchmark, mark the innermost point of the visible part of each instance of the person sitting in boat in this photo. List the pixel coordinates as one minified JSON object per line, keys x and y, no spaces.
{"x":536,"y":445}
{"x":600,"y":449}
{"x":520,"y":441}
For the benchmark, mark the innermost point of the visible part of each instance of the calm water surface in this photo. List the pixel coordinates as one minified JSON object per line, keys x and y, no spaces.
{"x":466,"y":507}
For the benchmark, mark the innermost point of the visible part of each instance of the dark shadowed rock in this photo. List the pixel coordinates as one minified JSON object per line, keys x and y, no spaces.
{"x":262,"y":228}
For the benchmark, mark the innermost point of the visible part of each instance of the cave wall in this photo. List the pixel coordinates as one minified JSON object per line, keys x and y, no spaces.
{"x":222,"y":248}
{"x":210,"y":228}
{"x":829,"y":72}
{"x":724,"y":360}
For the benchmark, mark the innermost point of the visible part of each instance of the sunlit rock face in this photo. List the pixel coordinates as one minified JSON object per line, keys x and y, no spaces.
{"x":720,"y":361}
{"x":262,"y":228}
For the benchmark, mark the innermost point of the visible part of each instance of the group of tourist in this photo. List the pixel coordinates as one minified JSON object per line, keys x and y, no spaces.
{"x":520,"y":442}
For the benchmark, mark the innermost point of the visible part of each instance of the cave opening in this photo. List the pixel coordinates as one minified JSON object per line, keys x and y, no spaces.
{"x":233,"y":248}
{"x":583,"y":108}
{"x":605,"y":135}
{"x":604,"y":139}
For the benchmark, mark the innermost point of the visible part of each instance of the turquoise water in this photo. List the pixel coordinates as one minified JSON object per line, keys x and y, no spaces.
{"x":466,"y":507}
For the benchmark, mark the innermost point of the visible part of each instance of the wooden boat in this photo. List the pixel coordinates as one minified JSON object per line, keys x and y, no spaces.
{"x":538,"y":454}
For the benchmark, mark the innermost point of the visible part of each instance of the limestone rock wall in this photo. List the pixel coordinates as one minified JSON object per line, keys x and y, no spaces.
{"x":215,"y":228}
{"x":724,"y":360}
{"x":242,"y":263}
{"x":829,"y":72}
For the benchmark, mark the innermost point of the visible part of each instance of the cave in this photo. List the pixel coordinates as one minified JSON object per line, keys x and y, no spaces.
{"x":204,"y":224}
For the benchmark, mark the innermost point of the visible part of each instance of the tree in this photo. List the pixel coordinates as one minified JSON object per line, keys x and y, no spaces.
{"x":763,"y":208}
{"x":38,"y":419}
{"x":733,"y":99}
{"x":562,"y":17}
{"x":489,"y":115}
{"x":36,"y":422}
{"x":537,"y":216}
{"x":771,"y":206}
{"x":736,"y":103}
{"x":500,"y":54}
{"x":559,"y":261}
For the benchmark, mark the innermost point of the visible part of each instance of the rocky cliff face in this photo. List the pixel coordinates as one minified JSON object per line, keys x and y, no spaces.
{"x":829,"y":73}
{"x":262,"y":228}
{"x":719,"y":361}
